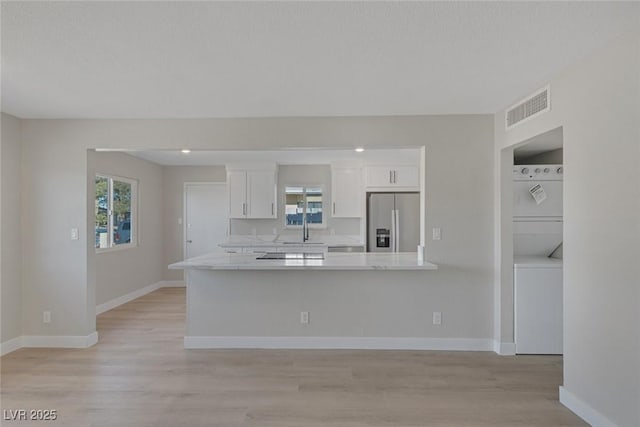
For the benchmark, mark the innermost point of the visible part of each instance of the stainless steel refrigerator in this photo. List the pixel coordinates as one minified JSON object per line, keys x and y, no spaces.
{"x":393,"y":222}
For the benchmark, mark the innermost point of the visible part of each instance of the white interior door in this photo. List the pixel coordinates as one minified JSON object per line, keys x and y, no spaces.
{"x":206,"y":218}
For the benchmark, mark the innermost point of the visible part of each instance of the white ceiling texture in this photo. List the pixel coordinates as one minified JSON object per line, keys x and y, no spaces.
{"x":268,"y":59}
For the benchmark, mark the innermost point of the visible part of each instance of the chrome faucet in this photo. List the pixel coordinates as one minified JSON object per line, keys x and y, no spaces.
{"x":305,"y":229}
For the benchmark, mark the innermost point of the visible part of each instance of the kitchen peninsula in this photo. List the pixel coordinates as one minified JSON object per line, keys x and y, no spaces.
{"x":330,"y":300}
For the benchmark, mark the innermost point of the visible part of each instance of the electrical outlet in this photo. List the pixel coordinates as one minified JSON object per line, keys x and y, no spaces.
{"x":46,"y":317}
{"x":179,"y":221}
{"x":436,"y":233}
{"x":304,"y":317}
{"x":437,"y":318}
{"x":74,"y":234}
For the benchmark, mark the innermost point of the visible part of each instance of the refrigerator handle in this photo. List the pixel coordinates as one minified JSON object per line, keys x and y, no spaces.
{"x":393,"y":230}
{"x":397,"y":239}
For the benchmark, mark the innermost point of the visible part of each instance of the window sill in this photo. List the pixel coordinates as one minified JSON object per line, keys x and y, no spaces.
{"x":116,"y":248}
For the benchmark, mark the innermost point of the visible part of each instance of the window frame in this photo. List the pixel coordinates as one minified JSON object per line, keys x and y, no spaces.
{"x":304,"y":187}
{"x":111,"y":227}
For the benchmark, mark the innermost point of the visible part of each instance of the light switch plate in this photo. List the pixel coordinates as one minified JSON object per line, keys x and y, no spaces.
{"x":74,"y":234}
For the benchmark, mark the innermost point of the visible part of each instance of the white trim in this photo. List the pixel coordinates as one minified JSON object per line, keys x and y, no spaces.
{"x":60,"y":341}
{"x":359,"y":343}
{"x":137,"y":294}
{"x":583,"y":410}
{"x":10,"y":345}
{"x":126,"y":298}
{"x":172,"y":284}
{"x":504,"y":348}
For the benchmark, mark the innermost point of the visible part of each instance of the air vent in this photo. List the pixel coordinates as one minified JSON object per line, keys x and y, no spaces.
{"x":537,"y":103}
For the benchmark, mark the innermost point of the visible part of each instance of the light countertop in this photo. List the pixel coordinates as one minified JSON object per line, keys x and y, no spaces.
{"x":241,"y":241}
{"x":331,"y":261}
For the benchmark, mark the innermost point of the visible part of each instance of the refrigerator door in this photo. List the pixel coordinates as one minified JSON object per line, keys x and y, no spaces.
{"x":379,"y":222}
{"x":407,"y":206}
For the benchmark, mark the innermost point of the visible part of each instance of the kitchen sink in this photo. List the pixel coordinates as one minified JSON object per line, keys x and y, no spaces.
{"x":291,"y":256}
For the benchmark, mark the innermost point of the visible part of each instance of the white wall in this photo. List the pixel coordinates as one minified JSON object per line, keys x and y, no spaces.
{"x":459,"y":171}
{"x":173,"y":179}
{"x":123,"y":271}
{"x":597,"y":101}
{"x":10,"y":249}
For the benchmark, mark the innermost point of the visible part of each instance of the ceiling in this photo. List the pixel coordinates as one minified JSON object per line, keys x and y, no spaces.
{"x":281,"y":157}
{"x":267,"y":59}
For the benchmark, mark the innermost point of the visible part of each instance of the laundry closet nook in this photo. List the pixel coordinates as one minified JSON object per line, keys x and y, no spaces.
{"x":537,"y":243}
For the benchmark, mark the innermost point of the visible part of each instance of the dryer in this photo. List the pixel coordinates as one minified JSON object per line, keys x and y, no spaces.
{"x":543,"y":182}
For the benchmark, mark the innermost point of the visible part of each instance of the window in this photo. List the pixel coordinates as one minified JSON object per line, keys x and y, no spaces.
{"x":115,"y":212}
{"x":303,"y":201}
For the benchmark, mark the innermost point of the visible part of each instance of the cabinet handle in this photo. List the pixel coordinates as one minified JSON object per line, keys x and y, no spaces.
{"x":395,"y":177}
{"x":390,"y":177}
{"x":334,"y":208}
{"x":244,"y":209}
{"x":272,"y":212}
{"x":189,"y":241}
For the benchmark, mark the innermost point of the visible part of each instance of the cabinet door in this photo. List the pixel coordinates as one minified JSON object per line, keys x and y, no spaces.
{"x":346,"y":193}
{"x":237,"y":187}
{"x":261,"y":197}
{"x":379,"y":176}
{"x":406,"y":176}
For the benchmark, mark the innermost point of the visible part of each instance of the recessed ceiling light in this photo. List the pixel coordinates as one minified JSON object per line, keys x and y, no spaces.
{"x":359,"y":150}
{"x":185,"y":151}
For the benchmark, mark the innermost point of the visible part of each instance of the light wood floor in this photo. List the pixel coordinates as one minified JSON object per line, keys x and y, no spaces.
{"x":139,"y":375}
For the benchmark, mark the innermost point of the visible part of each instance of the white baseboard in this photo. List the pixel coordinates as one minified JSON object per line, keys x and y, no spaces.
{"x":583,"y":410}
{"x":504,"y":348}
{"x":172,"y":284}
{"x":60,"y":341}
{"x":49,"y":341}
{"x":137,"y":294}
{"x":356,"y":343}
{"x":126,"y":298}
{"x":10,"y":345}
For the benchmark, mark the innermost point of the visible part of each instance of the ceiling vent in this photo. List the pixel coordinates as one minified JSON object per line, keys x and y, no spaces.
{"x":532,"y":106}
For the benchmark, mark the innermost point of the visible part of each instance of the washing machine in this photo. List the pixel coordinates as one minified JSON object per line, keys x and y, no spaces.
{"x":537,"y":239}
{"x":538,"y":305}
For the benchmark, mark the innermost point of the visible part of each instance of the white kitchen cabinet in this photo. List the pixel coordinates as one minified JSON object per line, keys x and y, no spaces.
{"x":237,"y":188}
{"x":252,"y":193}
{"x":261,"y":195}
{"x":346,"y":192}
{"x":397,"y":177}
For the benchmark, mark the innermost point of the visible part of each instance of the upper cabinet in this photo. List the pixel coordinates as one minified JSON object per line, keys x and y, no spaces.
{"x":252,"y":192}
{"x":405,"y":178}
{"x":346,"y":192}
